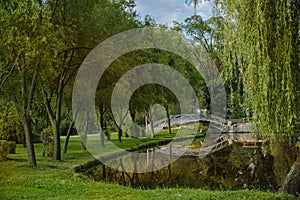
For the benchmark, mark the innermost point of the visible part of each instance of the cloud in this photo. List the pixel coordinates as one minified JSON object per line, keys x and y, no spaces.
{"x":205,"y":9}
{"x":167,"y":11}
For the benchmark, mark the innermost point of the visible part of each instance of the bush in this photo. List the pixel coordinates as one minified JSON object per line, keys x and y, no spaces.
{"x":64,"y":127}
{"x":36,"y":138}
{"x":12,"y":147}
{"x":11,"y":130}
{"x":107,"y":133}
{"x":47,"y":140}
{"x":4,"y":150}
{"x":10,"y":126}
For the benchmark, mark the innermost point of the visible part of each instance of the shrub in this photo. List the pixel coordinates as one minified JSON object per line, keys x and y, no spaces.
{"x":12,"y":147}
{"x":134,"y":131}
{"x":64,"y":127}
{"x":10,"y":126}
{"x":4,"y":150}
{"x":107,"y":134}
{"x":36,"y":138}
{"x":46,"y":137}
{"x":11,"y":130}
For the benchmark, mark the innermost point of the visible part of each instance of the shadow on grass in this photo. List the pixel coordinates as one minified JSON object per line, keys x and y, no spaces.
{"x":16,"y":160}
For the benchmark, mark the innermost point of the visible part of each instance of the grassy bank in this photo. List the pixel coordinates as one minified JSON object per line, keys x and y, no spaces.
{"x":57,"y":180}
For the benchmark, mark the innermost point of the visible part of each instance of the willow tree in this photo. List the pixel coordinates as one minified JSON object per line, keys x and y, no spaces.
{"x":261,"y":54}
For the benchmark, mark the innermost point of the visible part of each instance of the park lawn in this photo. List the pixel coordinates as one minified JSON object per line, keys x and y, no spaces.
{"x":130,"y":143}
{"x":57,"y":180}
{"x":185,"y":131}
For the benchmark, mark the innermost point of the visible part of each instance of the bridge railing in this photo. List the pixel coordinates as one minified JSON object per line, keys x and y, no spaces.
{"x":221,"y":123}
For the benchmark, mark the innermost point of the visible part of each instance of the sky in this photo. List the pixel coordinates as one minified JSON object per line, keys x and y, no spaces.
{"x":167,"y":11}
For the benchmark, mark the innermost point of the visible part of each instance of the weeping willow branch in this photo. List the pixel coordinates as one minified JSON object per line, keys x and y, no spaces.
{"x":259,"y":39}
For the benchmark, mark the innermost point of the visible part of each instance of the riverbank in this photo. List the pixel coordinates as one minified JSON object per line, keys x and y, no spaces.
{"x":57,"y":180}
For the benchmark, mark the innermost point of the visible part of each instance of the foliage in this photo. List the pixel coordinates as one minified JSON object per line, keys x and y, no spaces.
{"x":12,"y":147}
{"x":47,"y":140}
{"x":4,"y":149}
{"x":148,"y":95}
{"x":42,"y":45}
{"x":261,"y":62}
{"x":209,"y":35}
{"x":7,"y":147}
{"x":10,"y":125}
{"x":64,"y":128}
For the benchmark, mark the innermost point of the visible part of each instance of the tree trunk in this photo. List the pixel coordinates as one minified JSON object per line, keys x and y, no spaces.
{"x":56,"y":141}
{"x":132,"y":113}
{"x":284,"y":157}
{"x":55,"y":127}
{"x":152,"y":133}
{"x":59,"y":95}
{"x":84,"y":136}
{"x":152,"y":129}
{"x":83,"y":142}
{"x":120,"y":134}
{"x":55,"y":117}
{"x":168,"y":119}
{"x":69,"y":133}
{"x":292,"y":181}
{"x":67,"y":138}
{"x":102,"y":138}
{"x":24,"y":109}
{"x":28,"y":139}
{"x":101,"y":111}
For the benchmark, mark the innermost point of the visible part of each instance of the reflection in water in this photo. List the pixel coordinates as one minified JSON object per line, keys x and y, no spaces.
{"x":232,"y":168}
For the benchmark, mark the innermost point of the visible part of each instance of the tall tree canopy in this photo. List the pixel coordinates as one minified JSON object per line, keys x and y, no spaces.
{"x":261,"y":64}
{"x":42,"y":45}
{"x":261,"y":58}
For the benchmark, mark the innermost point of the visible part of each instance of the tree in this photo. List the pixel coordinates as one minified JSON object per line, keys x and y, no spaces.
{"x":199,"y":29}
{"x":76,"y":43}
{"x":42,"y":51}
{"x":195,"y":3}
{"x":22,"y":50}
{"x":262,"y":42}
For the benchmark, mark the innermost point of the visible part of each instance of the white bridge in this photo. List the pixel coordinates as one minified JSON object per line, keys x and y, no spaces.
{"x":225,"y":135}
{"x":215,"y":121}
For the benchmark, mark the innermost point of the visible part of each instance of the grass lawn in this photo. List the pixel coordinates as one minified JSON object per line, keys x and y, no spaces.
{"x":57,"y":180}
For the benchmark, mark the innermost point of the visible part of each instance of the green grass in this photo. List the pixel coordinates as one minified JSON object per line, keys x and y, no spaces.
{"x":57,"y":180}
{"x":129,"y":142}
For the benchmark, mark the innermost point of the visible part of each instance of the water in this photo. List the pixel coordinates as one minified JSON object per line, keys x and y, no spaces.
{"x":234,"y":167}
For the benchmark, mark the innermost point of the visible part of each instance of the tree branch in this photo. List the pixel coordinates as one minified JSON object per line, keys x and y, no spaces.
{"x":47,"y":104}
{"x":54,"y":10}
{"x":2,"y":81}
{"x":31,"y":92}
{"x":75,"y":48}
{"x":15,"y":102}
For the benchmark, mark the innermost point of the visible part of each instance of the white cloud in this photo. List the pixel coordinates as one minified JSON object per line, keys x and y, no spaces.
{"x":167,"y":11}
{"x":205,"y":9}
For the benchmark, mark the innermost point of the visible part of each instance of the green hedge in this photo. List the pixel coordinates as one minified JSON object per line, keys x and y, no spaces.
{"x":6,"y":147}
{"x":12,"y":147}
{"x":47,"y":140}
{"x":4,"y":150}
